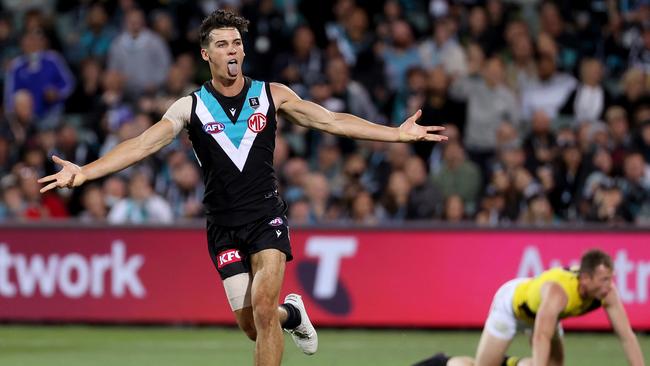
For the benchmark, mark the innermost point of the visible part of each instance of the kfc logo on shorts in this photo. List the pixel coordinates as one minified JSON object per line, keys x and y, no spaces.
{"x":276,"y":221}
{"x":228,"y":257}
{"x":257,"y":122}
{"x":214,"y":127}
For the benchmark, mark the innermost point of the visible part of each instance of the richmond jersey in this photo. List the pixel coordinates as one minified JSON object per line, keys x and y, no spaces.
{"x":233,"y":139}
{"x":528,"y":298}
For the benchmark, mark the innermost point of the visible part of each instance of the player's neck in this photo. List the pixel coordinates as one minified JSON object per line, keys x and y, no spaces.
{"x":228,"y":88}
{"x":582,"y":291}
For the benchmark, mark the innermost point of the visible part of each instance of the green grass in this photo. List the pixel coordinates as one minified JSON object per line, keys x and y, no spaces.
{"x":161,"y":346}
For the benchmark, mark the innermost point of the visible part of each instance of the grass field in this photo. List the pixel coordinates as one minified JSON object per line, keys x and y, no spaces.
{"x":162,"y":346}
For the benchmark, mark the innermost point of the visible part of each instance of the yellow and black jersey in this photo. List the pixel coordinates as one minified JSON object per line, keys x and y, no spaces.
{"x":527,"y":298}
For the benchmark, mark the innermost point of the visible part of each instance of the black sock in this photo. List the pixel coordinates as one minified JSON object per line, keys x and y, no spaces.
{"x":439,"y":359}
{"x":293,"y":317}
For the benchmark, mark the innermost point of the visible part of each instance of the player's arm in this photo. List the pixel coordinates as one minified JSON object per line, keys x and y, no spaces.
{"x":554,"y":299}
{"x":618,"y":318}
{"x":121,"y":156}
{"x":312,"y":115}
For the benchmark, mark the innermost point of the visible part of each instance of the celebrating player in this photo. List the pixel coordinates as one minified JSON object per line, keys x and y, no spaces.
{"x":231,"y":122}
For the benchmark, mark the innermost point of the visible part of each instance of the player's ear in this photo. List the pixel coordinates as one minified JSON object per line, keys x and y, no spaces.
{"x":204,"y":54}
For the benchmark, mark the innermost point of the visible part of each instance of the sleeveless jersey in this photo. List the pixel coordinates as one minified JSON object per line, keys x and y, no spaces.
{"x":234,"y":139}
{"x":527,"y":297}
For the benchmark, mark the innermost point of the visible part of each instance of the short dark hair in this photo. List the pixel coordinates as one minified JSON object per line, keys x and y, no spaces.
{"x":594,"y":258}
{"x":221,"y":19}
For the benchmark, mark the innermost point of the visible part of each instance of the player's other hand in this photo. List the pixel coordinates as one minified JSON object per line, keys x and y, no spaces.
{"x":69,"y":176}
{"x":411,"y":131}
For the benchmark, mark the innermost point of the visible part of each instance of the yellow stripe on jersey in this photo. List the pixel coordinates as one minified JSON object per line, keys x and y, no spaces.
{"x":527,"y":297}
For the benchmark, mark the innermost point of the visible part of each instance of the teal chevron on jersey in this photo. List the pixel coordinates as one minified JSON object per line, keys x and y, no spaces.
{"x":234,"y":131}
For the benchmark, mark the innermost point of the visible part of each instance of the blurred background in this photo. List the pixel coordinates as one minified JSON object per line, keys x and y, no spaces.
{"x":546,"y":105}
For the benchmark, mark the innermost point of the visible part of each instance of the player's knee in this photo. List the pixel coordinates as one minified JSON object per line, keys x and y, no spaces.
{"x":249,"y":329}
{"x":265,"y":314}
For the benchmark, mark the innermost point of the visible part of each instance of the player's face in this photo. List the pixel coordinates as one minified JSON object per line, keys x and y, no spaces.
{"x":225,"y":53}
{"x":600,"y":283}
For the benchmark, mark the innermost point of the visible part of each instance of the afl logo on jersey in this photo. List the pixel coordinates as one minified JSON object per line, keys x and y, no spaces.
{"x":257,"y":122}
{"x":213,"y":127}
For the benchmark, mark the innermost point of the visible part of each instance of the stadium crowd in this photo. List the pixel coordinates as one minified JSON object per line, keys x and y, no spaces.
{"x":546,"y":105}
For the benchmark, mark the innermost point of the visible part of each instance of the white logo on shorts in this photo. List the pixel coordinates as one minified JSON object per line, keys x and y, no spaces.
{"x":278,"y":233}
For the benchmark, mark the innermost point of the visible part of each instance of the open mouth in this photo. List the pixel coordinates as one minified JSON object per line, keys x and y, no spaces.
{"x":233,"y":67}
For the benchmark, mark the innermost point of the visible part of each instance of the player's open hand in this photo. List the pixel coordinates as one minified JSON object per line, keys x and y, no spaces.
{"x":411,"y":131}
{"x":69,"y":176}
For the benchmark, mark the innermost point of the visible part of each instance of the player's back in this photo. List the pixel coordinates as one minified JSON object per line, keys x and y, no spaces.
{"x":528,"y":295}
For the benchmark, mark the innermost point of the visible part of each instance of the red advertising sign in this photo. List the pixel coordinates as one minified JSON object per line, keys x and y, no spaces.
{"x":347,"y":278}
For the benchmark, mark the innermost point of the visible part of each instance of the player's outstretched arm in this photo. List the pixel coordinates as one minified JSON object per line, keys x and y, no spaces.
{"x":121,"y":156}
{"x":618,"y":318}
{"x":554,"y":299}
{"x":311,"y":115}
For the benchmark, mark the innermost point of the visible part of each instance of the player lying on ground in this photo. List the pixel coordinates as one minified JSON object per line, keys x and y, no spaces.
{"x":541,"y":302}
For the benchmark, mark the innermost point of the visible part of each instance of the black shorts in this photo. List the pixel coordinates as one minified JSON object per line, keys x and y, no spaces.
{"x":230,"y":247}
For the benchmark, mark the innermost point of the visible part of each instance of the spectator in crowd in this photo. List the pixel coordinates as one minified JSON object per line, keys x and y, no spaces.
{"x":489,"y":103}
{"x":7,"y":157}
{"x":618,"y":129}
{"x":114,"y":189}
{"x":70,"y":147}
{"x":363,"y":211}
{"x":42,"y":72}
{"x":87,"y":95}
{"x":520,"y":68}
{"x":538,"y":212}
{"x":20,"y":125}
{"x":549,"y":92}
{"x":589,"y":100}
{"x":394,"y":202}
{"x":443,"y":50}
{"x":294,"y":178}
{"x":569,"y":180}
{"x":399,"y":55}
{"x":140,"y":55}
{"x":95,"y":40}
{"x":640,"y":50}
{"x":299,"y":212}
{"x":94,"y":206}
{"x":424,"y":198}
{"x":635,"y":186}
{"x":439,"y":108}
{"x":353,"y":39}
{"x":142,"y":205}
{"x":539,"y":145}
{"x":600,"y":176}
{"x":642,"y":141}
{"x":13,"y":205}
{"x":317,"y":192}
{"x":38,"y":206}
{"x":458,"y":175}
{"x":354,"y":95}
{"x":553,"y":24}
{"x":186,"y":192}
{"x":303,"y":67}
{"x":607,"y":205}
{"x":8,"y":44}
{"x":267,"y":29}
{"x":635,"y":92}
{"x":454,"y":209}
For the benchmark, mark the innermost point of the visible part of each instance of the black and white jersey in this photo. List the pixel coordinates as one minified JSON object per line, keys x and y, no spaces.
{"x":234,"y":139}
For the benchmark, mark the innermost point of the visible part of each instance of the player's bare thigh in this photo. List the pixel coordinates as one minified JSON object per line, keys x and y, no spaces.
{"x":491,"y":350}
